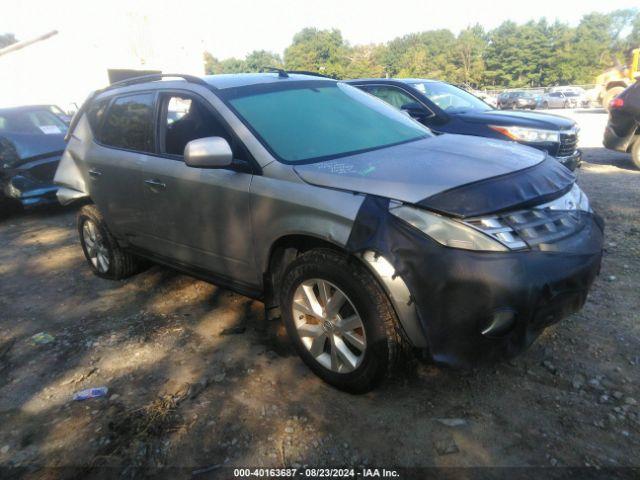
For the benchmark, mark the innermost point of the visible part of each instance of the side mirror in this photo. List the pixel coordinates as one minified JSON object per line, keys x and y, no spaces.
{"x":416,"y":110}
{"x":209,"y":152}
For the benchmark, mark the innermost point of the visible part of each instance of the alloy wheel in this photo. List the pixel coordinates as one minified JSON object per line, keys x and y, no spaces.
{"x":97,"y":250}
{"x":329,"y":326}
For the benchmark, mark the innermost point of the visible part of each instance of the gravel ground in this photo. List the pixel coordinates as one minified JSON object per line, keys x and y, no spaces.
{"x":196,"y":381}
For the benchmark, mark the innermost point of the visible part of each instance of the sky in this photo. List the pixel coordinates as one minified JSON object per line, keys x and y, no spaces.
{"x":236,"y":27}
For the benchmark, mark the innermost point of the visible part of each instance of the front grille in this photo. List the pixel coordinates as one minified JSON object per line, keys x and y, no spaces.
{"x":568,"y":143}
{"x":546,"y":223}
{"x":528,"y":228}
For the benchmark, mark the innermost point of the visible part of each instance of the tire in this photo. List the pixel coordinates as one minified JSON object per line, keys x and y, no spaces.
{"x":8,"y":206}
{"x":610,"y":95}
{"x":379,"y":335}
{"x":635,"y":153}
{"x":545,"y":105}
{"x":98,"y":244}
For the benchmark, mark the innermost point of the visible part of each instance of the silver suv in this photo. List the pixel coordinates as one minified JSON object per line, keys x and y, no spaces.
{"x":369,"y":236}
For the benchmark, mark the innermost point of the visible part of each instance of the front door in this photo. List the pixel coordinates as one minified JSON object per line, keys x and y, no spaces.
{"x":199,"y":217}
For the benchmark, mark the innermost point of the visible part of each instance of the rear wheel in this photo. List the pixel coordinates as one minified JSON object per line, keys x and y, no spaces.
{"x":545,"y":105}
{"x":340,"y":320}
{"x":105,"y":257}
{"x":635,"y":153}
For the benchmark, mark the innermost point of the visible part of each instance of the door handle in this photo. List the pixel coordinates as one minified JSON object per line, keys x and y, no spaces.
{"x":155,"y":184}
{"x":94,"y":173}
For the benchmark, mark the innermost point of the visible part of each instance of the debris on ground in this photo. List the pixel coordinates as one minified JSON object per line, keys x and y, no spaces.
{"x":42,"y":338}
{"x":90,"y":393}
{"x":446,"y":446}
{"x":452,"y":422}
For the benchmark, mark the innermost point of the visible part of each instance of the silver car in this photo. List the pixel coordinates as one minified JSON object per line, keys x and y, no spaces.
{"x":557,"y":100}
{"x":366,"y":234}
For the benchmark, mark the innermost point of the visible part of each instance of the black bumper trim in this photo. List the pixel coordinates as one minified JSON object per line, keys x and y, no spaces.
{"x":456,"y":291}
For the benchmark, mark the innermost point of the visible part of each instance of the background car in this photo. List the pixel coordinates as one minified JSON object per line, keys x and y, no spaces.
{"x":31,"y":143}
{"x":445,"y":108}
{"x":556,"y":100}
{"x":622,"y":132}
{"x":514,"y":100}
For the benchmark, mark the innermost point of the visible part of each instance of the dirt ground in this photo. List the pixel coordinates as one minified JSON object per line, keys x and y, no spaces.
{"x":196,"y":382}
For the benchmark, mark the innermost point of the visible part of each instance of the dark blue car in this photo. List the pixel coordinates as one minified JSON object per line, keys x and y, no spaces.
{"x":31,"y":144}
{"x":448,"y":109}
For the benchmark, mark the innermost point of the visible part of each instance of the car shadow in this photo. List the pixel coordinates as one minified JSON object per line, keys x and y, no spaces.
{"x":603,"y":156}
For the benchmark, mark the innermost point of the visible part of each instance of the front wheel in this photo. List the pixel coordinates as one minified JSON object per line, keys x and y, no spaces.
{"x":105,"y":257}
{"x":635,"y":153}
{"x":340,"y":320}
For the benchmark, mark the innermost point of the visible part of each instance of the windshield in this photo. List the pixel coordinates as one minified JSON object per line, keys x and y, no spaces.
{"x":451,"y":99}
{"x":303,"y":122}
{"x":32,"y":122}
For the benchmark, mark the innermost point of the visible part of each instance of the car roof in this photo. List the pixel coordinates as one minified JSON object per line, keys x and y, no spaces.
{"x":232,"y":80}
{"x":392,"y":81}
{"x":25,"y":108}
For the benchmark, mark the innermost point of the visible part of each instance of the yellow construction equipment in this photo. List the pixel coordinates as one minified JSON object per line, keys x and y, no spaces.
{"x":613,"y":81}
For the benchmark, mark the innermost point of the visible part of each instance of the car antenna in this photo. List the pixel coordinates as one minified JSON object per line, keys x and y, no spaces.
{"x":281,"y":71}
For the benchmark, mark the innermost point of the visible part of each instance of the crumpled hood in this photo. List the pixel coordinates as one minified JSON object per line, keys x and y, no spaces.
{"x":416,"y":170}
{"x":17,"y":149}
{"x":545,"y":121}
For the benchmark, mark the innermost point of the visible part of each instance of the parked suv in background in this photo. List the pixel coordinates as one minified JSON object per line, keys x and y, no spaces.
{"x":514,"y":100}
{"x":445,"y":108}
{"x":370,"y":235}
{"x":623,"y":129}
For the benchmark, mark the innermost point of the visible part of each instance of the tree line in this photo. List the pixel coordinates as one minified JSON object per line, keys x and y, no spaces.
{"x":537,"y":53}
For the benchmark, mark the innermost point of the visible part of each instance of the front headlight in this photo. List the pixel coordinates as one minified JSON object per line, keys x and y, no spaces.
{"x":446,"y":231}
{"x":530,"y":135}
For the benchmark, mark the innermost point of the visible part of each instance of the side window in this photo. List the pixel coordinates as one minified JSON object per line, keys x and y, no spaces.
{"x":391,"y":95}
{"x":95,"y":114}
{"x":185,"y":119}
{"x":128,"y":123}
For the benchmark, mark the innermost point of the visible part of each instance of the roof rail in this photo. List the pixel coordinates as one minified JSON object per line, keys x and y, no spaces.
{"x":306,"y":72}
{"x":154,"y":77}
{"x":282,"y":73}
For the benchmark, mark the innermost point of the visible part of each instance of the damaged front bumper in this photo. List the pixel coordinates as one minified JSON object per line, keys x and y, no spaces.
{"x":29,"y":191}
{"x":472,"y":307}
{"x":478,"y":306}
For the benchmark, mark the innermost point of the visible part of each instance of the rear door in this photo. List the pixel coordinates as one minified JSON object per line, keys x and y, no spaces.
{"x":196,"y":216}
{"x":124,"y":144}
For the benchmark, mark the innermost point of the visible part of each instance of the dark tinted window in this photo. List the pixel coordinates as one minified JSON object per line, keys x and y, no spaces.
{"x":128,"y":123}
{"x":95,"y":114}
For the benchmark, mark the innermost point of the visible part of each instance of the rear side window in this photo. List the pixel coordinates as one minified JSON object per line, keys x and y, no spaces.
{"x":129,"y":123}
{"x":95,"y":114}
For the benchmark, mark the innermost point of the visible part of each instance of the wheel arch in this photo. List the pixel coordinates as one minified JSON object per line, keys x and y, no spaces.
{"x":288,"y":247}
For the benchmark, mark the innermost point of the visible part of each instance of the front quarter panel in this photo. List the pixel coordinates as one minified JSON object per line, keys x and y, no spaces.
{"x":282,"y":204}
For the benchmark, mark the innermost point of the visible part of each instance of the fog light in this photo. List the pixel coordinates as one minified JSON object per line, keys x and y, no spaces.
{"x":501,"y":322}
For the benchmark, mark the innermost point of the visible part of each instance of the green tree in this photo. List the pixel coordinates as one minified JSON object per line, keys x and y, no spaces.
{"x":468,"y":60}
{"x":257,"y":60}
{"x":322,"y":51}
{"x":365,"y":61}
{"x":213,"y":66}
